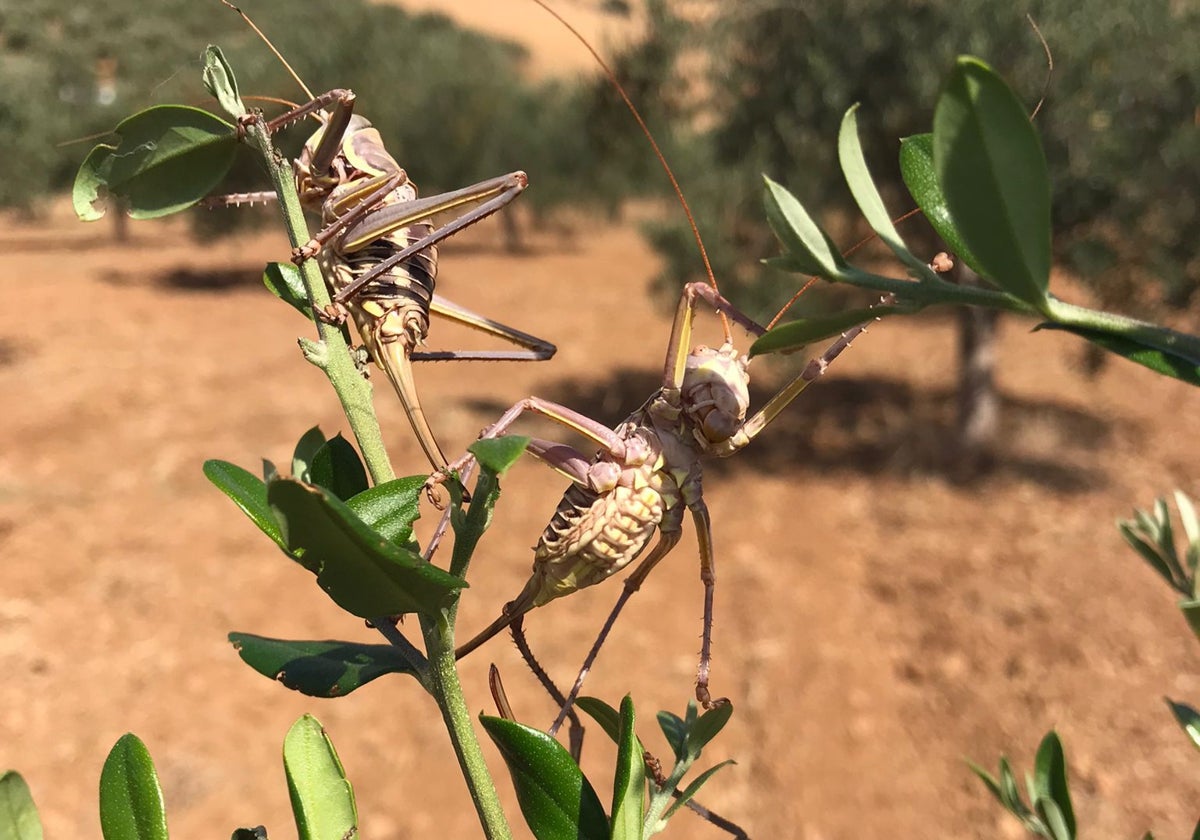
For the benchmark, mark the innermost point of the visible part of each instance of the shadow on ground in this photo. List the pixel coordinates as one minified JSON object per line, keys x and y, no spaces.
{"x":876,"y":426}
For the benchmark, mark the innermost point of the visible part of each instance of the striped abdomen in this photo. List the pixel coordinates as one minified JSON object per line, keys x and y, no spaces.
{"x":592,"y":536}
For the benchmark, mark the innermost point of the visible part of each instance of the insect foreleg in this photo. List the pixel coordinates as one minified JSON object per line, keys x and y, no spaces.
{"x":681,"y":328}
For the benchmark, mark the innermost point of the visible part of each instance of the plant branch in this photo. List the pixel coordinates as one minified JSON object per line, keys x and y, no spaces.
{"x":336,"y":360}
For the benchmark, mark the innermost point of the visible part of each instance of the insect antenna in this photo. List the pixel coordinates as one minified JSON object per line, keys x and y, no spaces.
{"x":662,"y":159}
{"x":271,"y":47}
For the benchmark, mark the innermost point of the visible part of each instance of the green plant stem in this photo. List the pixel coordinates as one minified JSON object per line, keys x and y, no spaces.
{"x":661,"y":798}
{"x":332,"y":355}
{"x":928,"y":292}
{"x":447,"y":691}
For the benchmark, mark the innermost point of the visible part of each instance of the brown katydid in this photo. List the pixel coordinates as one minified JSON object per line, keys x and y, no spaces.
{"x":647,"y":470}
{"x":378,"y":244}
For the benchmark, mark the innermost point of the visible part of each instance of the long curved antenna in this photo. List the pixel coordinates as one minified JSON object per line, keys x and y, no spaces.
{"x":271,"y":47}
{"x":612,"y":77}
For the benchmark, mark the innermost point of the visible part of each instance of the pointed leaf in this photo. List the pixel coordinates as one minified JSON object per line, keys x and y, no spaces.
{"x":326,"y":668}
{"x":305,"y":451}
{"x":675,"y":731}
{"x":248,"y":493}
{"x":694,"y":787}
{"x":1161,"y":361}
{"x":1191,"y":531}
{"x":992,"y":171}
{"x":629,"y":782}
{"x":1050,"y":778}
{"x":808,"y":245}
{"x":131,"y":803}
{"x":866,"y":195}
{"x":604,"y":714}
{"x":363,"y":572}
{"x":557,"y":801}
{"x":988,"y":780}
{"x":916,"y":167}
{"x":166,"y":159}
{"x":796,"y":335}
{"x":707,"y":727}
{"x":18,"y":815}
{"x":1008,"y":790}
{"x":1188,"y":718}
{"x":285,"y":282}
{"x":1148,"y":552}
{"x":1052,"y":817}
{"x":337,"y":467}
{"x":498,"y":454}
{"x":391,"y":508}
{"x":322,"y":798}
{"x":220,"y":82}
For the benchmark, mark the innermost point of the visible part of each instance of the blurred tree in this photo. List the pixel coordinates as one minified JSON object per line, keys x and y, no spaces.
{"x":1119,"y":126}
{"x":453,"y":105}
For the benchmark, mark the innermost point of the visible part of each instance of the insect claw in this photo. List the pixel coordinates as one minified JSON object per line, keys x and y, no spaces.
{"x":335,"y":314}
{"x":306,"y":251}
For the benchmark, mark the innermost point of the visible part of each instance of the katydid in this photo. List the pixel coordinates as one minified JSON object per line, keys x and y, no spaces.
{"x":378,"y":245}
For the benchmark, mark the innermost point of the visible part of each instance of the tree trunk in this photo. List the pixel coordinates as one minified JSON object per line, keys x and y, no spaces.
{"x":978,"y":402}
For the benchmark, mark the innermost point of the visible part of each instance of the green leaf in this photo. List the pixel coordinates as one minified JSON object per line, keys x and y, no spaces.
{"x":322,"y":798}
{"x":866,"y":195}
{"x":675,"y":731}
{"x":285,"y":282}
{"x":337,"y":467}
{"x":391,"y":508}
{"x":1008,"y":789}
{"x":1175,"y":365}
{"x":1191,"y":531}
{"x":220,"y":82}
{"x":131,"y":802}
{"x":1050,"y":779}
{"x":629,"y":781}
{"x":305,"y":452}
{"x":990,"y":165}
{"x":694,"y":787}
{"x":167,"y":158}
{"x":1148,"y":552}
{"x":1053,"y":818}
{"x":916,"y":167}
{"x":249,"y":494}
{"x":1191,"y":612}
{"x":988,"y":780}
{"x":18,"y":815}
{"x":707,"y":727}
{"x":1188,"y":718}
{"x":327,"y":668}
{"x":796,"y":335}
{"x":604,"y":714}
{"x":557,"y":801}
{"x":362,"y":571}
{"x":498,"y":454}
{"x":809,"y":247}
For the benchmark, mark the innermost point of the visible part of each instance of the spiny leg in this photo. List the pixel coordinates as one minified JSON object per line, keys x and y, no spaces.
{"x":667,"y":539}
{"x":494,"y":194}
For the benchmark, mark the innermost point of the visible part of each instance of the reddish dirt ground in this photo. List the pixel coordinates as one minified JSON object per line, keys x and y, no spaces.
{"x":877,"y":623}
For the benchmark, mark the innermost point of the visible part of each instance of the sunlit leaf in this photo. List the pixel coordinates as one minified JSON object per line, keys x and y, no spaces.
{"x":322,"y":798}
{"x":993,"y":174}
{"x":556,"y":800}
{"x":131,"y":801}
{"x":166,"y":159}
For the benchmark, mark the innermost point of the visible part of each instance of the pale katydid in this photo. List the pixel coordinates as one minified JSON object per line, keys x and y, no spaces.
{"x":378,"y":244}
{"x":647,"y":470}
